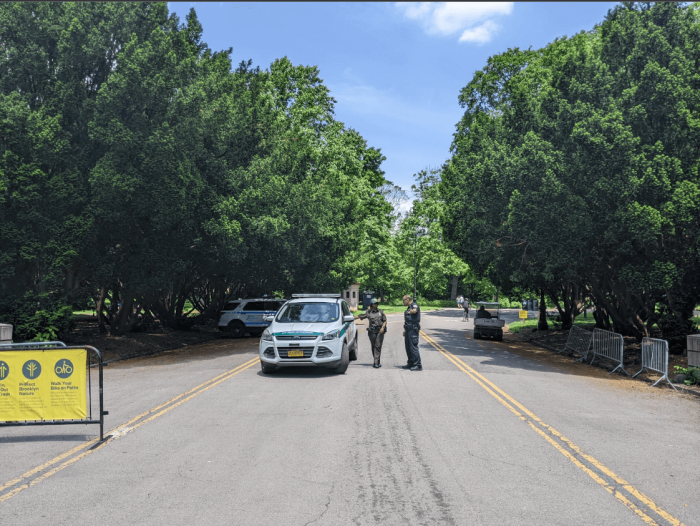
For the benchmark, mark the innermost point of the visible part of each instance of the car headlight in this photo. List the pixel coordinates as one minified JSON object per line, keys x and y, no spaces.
{"x":267,"y":335}
{"x":333,"y":335}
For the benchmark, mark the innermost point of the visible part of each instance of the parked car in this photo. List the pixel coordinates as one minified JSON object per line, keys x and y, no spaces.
{"x":310,"y":330}
{"x":241,"y":316}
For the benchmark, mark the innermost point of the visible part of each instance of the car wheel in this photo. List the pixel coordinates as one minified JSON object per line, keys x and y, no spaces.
{"x":344,"y":360}
{"x":353,"y":350}
{"x":477,"y":335}
{"x":256,"y":332}
{"x":267,"y":368}
{"x":499,"y":336}
{"x":236,"y":329}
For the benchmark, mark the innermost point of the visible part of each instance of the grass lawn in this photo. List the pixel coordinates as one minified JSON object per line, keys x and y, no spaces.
{"x":391,"y":309}
{"x":518,"y":326}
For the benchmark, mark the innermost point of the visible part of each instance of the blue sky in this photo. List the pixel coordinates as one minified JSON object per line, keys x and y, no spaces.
{"x":395,"y":69}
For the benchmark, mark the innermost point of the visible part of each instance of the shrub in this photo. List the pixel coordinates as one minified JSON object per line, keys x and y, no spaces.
{"x":47,"y":325}
{"x":32,"y":322}
{"x":693,"y":374}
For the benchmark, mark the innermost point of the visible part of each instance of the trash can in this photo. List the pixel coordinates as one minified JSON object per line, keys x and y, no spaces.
{"x":367,"y":298}
{"x":5,"y":333}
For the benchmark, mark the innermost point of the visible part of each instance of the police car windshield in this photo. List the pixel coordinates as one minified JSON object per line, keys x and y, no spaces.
{"x":309,"y":313}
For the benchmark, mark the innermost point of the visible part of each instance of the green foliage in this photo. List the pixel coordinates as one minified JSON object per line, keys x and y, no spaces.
{"x":693,"y":374}
{"x":36,"y":317}
{"x":47,"y":325}
{"x":531,"y":323}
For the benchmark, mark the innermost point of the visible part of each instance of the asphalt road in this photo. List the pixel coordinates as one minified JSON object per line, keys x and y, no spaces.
{"x":485,"y":434}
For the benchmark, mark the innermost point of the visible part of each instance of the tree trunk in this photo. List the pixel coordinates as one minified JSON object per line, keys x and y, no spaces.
{"x":98,"y":308}
{"x":542,"y":324}
{"x":122,"y":319}
{"x":453,"y":294}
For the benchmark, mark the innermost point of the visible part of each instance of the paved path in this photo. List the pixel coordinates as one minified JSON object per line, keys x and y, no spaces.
{"x":483,"y":435}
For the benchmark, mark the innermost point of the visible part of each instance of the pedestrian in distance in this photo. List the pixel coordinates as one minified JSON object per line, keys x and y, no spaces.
{"x":375,"y":330}
{"x":411,"y":325}
{"x":465,"y":306}
{"x":460,"y":300}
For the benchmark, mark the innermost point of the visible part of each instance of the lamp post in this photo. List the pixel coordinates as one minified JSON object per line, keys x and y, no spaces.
{"x":419,"y":232}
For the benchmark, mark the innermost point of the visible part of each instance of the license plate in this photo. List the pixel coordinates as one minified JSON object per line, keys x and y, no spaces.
{"x":295,"y":354}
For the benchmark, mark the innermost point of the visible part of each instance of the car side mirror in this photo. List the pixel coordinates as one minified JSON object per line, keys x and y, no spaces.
{"x":269,"y":318}
{"x":348,"y":318}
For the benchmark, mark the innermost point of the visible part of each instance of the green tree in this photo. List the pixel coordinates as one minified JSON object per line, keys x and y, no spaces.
{"x":574,"y":170}
{"x":140,"y":169}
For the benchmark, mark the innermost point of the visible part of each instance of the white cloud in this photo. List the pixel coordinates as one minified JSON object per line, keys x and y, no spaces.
{"x":480,"y":34}
{"x":415,"y":10}
{"x":447,"y":18}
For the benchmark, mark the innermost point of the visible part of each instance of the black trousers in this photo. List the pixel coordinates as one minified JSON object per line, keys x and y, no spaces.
{"x":376,"y":340}
{"x":412,"y":353}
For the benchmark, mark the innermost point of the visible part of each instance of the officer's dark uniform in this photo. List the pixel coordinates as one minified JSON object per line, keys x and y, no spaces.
{"x":411,"y":324}
{"x":376,"y":322}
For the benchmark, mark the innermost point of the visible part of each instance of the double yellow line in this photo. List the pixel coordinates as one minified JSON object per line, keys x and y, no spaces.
{"x":41,"y":473}
{"x":622,"y":490}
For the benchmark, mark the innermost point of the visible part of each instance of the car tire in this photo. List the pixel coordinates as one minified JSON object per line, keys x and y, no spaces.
{"x":236,"y":329}
{"x":499,"y":336}
{"x":344,"y":361}
{"x":353,"y":350}
{"x":267,"y":368}
{"x":477,"y":335}
{"x":256,"y":332}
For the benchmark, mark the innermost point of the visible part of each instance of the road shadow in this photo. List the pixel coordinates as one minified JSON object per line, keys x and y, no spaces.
{"x":305,"y":372}
{"x":193,"y":353}
{"x":507,"y":357}
{"x":45,"y":438}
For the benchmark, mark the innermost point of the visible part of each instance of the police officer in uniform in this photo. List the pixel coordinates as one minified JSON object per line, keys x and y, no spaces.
{"x":411,"y":325}
{"x":376,"y":329}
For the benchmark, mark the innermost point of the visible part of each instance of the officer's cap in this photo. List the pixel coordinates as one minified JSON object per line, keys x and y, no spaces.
{"x":374,"y":300}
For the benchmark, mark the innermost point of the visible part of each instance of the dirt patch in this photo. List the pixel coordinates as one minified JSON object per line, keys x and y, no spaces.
{"x":555,"y":340}
{"x":137,"y":344}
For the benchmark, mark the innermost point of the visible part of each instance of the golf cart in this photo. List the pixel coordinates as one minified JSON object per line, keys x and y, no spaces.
{"x":486,"y":324}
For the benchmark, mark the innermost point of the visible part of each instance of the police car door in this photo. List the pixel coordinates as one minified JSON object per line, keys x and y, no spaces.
{"x":253,"y":312}
{"x":351,"y":326}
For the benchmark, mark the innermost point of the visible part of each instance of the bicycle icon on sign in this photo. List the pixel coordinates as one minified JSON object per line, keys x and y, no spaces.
{"x":64,"y":368}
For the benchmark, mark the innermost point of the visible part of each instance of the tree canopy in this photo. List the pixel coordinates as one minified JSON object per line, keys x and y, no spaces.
{"x":574,"y":170}
{"x":141,"y":171}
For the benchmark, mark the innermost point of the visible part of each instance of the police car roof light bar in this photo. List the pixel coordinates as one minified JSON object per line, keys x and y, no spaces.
{"x":329,"y":295}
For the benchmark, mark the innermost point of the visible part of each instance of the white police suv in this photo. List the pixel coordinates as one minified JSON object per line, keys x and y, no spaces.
{"x":310,"y":330}
{"x":241,"y":316}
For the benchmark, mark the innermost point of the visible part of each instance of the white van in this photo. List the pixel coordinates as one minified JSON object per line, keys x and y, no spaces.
{"x":241,"y":316}
{"x":310,"y":330}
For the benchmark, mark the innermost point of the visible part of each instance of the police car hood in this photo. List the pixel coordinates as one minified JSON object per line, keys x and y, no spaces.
{"x":301,"y":329}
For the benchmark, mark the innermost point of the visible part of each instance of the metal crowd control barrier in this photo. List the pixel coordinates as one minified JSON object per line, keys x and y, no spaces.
{"x":30,"y":345}
{"x":579,"y":341}
{"x":655,"y":358}
{"x":90,"y":418}
{"x":609,"y":345}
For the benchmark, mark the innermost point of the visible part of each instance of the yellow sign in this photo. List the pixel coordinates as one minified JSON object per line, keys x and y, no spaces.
{"x":43,"y":385}
{"x":522,"y":314}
